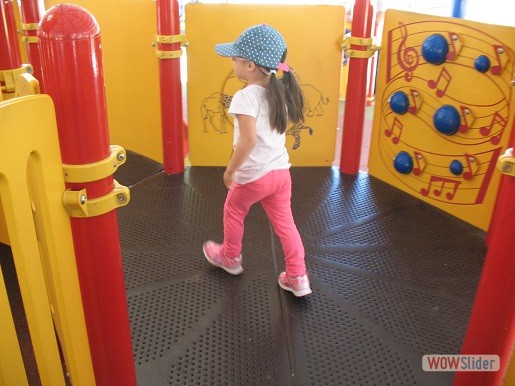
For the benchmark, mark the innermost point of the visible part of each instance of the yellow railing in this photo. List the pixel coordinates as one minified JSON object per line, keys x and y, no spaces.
{"x":38,"y":227}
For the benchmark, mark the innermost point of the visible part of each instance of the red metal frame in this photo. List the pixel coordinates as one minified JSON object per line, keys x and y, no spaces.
{"x":171,"y":93}
{"x":71,"y":61}
{"x":31,"y":12}
{"x":10,"y":57}
{"x":491,"y":328}
{"x":354,"y":116}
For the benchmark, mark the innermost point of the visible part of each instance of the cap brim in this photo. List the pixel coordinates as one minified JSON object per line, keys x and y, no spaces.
{"x":226,"y":49}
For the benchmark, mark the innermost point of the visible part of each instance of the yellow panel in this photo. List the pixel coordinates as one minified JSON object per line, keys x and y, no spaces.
{"x":31,"y":189}
{"x":314,"y":55}
{"x":458,"y":119}
{"x":131,"y":72}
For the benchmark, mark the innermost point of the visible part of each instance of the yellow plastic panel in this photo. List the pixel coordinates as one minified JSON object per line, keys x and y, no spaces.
{"x":31,"y":190}
{"x":127,"y":31}
{"x":458,"y":119}
{"x":313,"y":52}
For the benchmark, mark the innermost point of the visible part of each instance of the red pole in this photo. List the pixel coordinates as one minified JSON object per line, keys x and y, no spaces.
{"x":170,"y":83}
{"x":71,"y":61}
{"x":10,"y":56}
{"x":491,"y":328}
{"x":31,"y":11}
{"x":354,"y":116}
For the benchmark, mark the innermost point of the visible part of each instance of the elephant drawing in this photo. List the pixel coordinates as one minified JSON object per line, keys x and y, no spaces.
{"x":314,"y":100}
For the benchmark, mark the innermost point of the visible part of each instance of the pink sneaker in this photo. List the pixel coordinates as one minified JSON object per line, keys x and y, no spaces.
{"x":299,"y":285}
{"x":213,"y":253}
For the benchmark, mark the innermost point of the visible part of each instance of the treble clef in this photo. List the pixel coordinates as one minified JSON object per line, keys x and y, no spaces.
{"x":407,"y":57}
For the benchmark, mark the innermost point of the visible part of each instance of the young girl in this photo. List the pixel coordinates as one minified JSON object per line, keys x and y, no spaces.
{"x":259,"y":167}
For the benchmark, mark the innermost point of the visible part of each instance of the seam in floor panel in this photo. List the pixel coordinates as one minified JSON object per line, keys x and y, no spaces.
{"x":284,"y":310}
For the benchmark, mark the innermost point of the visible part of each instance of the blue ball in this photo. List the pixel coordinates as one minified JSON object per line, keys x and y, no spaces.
{"x":403,"y":162}
{"x":456,"y":167}
{"x":435,"y":49}
{"x":447,"y":120}
{"x":482,"y":63}
{"x":399,"y":102}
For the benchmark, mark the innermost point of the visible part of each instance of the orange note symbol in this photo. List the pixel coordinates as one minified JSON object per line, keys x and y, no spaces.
{"x":420,"y":164}
{"x":472,"y":167}
{"x":501,"y":59}
{"x":395,"y":131}
{"x":439,"y":184}
{"x":467,"y":119}
{"x":415,"y":101}
{"x":455,"y":47}
{"x":441,"y":83}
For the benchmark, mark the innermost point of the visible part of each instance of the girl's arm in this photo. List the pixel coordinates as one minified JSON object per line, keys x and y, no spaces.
{"x":246,"y":143}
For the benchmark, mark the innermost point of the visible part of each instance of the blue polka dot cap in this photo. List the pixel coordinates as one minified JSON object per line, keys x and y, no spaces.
{"x":260,"y":43}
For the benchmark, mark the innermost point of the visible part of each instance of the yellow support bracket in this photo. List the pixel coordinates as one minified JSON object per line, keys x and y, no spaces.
{"x":29,"y":26}
{"x":371,"y":49}
{"x":29,"y":39}
{"x":96,"y":170}
{"x":8,"y":77}
{"x":78,"y":205}
{"x":170,"y":39}
{"x":506,"y":163}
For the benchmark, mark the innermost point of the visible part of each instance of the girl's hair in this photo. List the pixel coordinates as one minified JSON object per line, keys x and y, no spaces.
{"x":285,"y":99}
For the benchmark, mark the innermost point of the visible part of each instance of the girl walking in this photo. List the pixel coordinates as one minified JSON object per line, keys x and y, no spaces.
{"x":259,"y":167}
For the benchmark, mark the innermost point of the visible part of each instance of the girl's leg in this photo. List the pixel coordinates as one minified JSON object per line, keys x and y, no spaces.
{"x":278,"y":208}
{"x":237,"y":204}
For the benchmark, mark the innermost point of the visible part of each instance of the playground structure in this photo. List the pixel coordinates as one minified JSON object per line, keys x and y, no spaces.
{"x":166,"y":45}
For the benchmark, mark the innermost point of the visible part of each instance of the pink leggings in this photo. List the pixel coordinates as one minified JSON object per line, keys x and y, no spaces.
{"x":273,"y":191}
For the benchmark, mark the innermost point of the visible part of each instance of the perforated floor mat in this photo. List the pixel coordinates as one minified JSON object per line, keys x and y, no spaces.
{"x":393,"y":279}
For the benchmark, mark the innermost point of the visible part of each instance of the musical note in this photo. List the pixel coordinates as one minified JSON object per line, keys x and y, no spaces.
{"x":501,"y":58}
{"x":456,"y":45}
{"x":397,"y":126}
{"x":441,"y":83}
{"x":415,"y":101}
{"x":441,"y":182}
{"x":468,"y":119}
{"x":408,"y":57}
{"x":420,"y":163}
{"x":497,"y":121}
{"x":472,"y":166}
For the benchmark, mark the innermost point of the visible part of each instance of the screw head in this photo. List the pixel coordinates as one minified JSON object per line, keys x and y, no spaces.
{"x":83,"y":199}
{"x":121,"y":157}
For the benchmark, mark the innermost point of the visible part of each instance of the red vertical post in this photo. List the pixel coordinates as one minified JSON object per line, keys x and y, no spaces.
{"x":354,"y":116}
{"x":10,"y":56}
{"x":71,"y":61}
{"x":170,"y":84}
{"x":491,"y":328}
{"x":31,"y":11}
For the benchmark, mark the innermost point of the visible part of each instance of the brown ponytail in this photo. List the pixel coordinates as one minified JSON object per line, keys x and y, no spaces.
{"x":285,"y":99}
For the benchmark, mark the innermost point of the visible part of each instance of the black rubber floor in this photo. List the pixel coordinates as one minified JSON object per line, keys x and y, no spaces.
{"x":393,"y":279}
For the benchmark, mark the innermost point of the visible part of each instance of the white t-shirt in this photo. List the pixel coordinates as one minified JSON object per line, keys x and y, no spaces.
{"x":270,"y":152}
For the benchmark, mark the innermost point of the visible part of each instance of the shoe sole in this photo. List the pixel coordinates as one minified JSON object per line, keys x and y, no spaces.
{"x":299,"y":294}
{"x":232,"y":271}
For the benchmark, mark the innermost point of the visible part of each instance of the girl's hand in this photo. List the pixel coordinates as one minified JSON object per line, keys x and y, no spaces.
{"x":228,"y":179}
